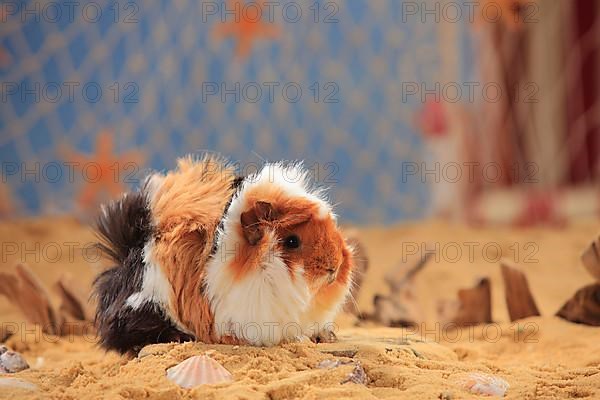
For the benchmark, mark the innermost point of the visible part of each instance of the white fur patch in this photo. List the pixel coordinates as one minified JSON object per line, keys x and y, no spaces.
{"x":264,"y":307}
{"x":156,"y":289}
{"x":153,"y":184}
{"x":155,"y":286}
{"x":294,"y":180}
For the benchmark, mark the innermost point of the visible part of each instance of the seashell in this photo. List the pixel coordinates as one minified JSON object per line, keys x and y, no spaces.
{"x":358,"y":375}
{"x":485,"y":384}
{"x":198,"y":370}
{"x":16,"y":383}
{"x":11,"y":362}
{"x":328,"y":364}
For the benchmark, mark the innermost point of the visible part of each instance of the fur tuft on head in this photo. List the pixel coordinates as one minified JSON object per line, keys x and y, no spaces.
{"x":289,"y":178}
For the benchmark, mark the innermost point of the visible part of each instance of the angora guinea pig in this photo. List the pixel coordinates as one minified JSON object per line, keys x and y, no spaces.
{"x":204,"y":255}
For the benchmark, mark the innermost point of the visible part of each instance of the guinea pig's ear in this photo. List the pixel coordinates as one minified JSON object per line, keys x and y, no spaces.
{"x":297,"y":213}
{"x":252,"y":221}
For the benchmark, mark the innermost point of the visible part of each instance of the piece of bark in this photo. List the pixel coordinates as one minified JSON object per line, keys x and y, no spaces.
{"x":447,"y":309}
{"x":583,"y":307}
{"x":519,"y":301}
{"x":591,"y":259}
{"x":397,"y":311}
{"x":474,"y":306}
{"x":73,"y":301}
{"x":349,"y":353}
{"x":404,"y":273}
{"x":361,"y":265}
{"x":401,"y":307}
{"x":25,"y":291}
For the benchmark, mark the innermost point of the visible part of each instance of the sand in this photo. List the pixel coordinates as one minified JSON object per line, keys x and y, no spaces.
{"x":541,"y":357}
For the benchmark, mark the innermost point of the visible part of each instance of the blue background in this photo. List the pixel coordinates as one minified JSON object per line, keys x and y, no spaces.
{"x":168,"y":52}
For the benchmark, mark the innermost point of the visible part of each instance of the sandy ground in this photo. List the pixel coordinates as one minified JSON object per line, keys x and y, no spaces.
{"x":541,"y":357}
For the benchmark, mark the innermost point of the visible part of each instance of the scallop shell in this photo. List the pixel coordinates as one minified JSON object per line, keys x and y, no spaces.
{"x":11,"y":361}
{"x":198,"y":370}
{"x":485,"y":384}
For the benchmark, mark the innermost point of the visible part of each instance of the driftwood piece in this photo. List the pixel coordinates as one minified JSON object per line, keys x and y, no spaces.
{"x":401,"y":308}
{"x":583,"y":307}
{"x":398,"y":311}
{"x":29,"y":295}
{"x":404,"y":273}
{"x":591,"y":259}
{"x":25,"y":291}
{"x":361,"y":265}
{"x":474,"y":306}
{"x":519,"y":301}
{"x":73,"y":301}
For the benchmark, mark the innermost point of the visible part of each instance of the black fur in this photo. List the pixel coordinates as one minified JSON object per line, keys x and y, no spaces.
{"x":125,"y":225}
{"x":124,"y":228}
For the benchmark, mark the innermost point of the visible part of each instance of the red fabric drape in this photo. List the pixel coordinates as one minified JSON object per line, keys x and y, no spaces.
{"x":584,"y":140}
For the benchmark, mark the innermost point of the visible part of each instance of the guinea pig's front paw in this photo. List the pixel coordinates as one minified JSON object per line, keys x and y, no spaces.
{"x":324,"y":337}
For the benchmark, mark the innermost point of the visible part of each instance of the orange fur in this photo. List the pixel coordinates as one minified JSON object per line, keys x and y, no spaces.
{"x":248,"y":258}
{"x":187,"y":208}
{"x":323,"y":249}
{"x":330,"y":295}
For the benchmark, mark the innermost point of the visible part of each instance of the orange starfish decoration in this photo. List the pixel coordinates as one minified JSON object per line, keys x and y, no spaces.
{"x":105,"y":173}
{"x":245,"y":28}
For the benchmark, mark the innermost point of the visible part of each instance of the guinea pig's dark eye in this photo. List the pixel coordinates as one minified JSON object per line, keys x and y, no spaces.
{"x":291,"y":242}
